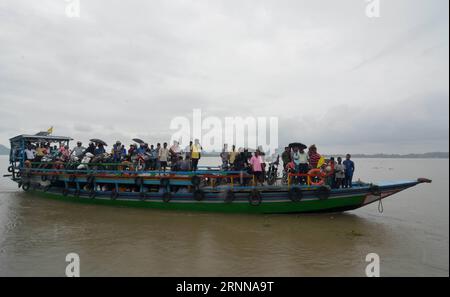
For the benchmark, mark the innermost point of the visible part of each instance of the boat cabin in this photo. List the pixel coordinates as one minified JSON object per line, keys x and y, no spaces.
{"x":20,"y":143}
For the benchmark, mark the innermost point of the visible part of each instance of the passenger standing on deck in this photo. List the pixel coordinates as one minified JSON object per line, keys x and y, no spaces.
{"x":117,"y":151}
{"x":286,"y":157}
{"x":164,"y":156}
{"x":174,"y":152}
{"x":301,"y":163}
{"x":339,"y":171}
{"x":141,"y":149}
{"x":257,"y":170}
{"x":153,"y":157}
{"x":225,"y":156}
{"x":196,"y":150}
{"x":158,"y":163}
{"x":314,"y":156}
{"x":296,"y":159}
{"x":188,"y":151}
{"x":349,"y":170}
{"x":233,"y":155}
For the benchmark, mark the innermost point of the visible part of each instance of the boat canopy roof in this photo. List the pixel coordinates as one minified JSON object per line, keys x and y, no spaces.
{"x":39,"y":138}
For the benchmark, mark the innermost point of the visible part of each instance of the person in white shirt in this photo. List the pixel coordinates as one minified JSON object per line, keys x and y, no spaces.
{"x":339,"y":171}
{"x":30,"y":153}
{"x":163,"y":156}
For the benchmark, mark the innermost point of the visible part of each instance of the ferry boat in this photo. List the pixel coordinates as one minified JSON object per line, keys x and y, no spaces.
{"x":207,"y":189}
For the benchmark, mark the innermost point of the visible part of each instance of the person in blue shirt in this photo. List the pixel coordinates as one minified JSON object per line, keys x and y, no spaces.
{"x":118,"y":152}
{"x":142,"y":150}
{"x":99,"y":150}
{"x":349,"y":170}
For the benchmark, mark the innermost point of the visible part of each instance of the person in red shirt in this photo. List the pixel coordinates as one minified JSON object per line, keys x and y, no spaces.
{"x":314,"y":156}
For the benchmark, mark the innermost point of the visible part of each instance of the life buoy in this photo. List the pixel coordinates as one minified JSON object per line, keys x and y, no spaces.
{"x":295,"y":194}
{"x":229,"y":196}
{"x":164,"y":182}
{"x":166,"y":197}
{"x":199,"y":195}
{"x":195,"y":181}
{"x":255,"y":198}
{"x":323,"y":192}
{"x":316,"y":173}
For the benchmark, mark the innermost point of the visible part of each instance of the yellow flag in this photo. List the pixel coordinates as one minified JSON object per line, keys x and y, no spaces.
{"x":50,"y":130}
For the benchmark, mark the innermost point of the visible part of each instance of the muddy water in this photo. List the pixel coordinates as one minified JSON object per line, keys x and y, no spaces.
{"x":411,"y":236}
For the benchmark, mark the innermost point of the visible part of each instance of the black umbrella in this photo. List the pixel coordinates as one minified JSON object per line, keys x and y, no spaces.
{"x":297,"y":144}
{"x":98,"y":141}
{"x":140,"y":141}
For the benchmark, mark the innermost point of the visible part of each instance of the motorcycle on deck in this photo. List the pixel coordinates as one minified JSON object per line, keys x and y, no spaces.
{"x":272,"y":172}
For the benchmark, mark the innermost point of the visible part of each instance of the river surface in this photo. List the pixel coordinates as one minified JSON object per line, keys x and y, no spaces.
{"x":411,"y":236}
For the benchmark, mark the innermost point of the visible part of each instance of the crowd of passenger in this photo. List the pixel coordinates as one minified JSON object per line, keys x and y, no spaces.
{"x":338,"y":173}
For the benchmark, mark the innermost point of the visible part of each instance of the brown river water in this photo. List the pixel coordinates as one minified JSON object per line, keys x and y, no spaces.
{"x":411,"y":236}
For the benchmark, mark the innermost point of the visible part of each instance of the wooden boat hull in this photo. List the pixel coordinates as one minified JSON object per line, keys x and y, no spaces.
{"x":273,"y":200}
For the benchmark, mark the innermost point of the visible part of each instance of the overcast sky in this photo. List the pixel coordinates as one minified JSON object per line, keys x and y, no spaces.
{"x":332,"y":75}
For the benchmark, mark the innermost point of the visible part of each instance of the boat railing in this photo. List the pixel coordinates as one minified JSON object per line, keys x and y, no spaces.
{"x":97,"y":169}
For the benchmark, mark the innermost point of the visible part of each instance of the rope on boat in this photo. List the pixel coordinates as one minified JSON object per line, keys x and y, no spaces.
{"x":380,"y":206}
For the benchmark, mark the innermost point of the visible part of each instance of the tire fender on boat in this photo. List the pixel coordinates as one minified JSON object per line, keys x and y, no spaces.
{"x":295,"y":194}
{"x":255,"y":198}
{"x":199,"y":195}
{"x":10,"y":169}
{"x":44,"y":177}
{"x":323,"y":192}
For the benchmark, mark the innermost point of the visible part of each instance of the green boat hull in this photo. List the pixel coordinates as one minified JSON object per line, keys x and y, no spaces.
{"x":310,"y":206}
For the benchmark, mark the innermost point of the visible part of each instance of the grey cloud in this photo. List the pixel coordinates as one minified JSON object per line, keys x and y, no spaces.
{"x":124,"y":70}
